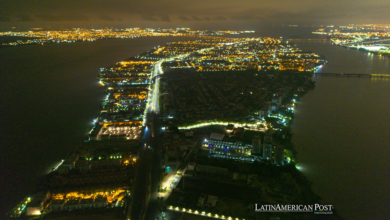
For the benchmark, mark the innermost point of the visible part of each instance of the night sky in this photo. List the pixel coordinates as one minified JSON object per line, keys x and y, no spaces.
{"x":196,"y":14}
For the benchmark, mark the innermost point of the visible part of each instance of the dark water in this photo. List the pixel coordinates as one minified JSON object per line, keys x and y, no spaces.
{"x":49,"y":96}
{"x":341,"y":131}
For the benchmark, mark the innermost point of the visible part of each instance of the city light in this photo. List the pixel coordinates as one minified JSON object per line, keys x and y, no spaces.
{"x":62,"y":161}
{"x":203,"y":213}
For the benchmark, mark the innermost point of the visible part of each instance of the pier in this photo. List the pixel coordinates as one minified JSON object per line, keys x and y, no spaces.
{"x":353,"y":75}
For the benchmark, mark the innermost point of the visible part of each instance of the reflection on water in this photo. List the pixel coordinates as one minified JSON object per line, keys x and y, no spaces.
{"x":378,"y":79}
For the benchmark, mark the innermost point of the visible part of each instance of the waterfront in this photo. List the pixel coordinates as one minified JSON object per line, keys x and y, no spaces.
{"x":340,"y":130}
{"x":343,"y":60}
{"x":72,"y":101}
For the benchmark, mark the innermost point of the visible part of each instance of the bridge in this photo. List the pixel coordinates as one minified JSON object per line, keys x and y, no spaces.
{"x":309,"y":39}
{"x":353,"y":75}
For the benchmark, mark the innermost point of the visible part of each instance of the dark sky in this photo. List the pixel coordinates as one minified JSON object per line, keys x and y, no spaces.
{"x":237,"y":14}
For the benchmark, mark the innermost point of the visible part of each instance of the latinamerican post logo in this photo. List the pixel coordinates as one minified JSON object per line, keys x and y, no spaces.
{"x":315,"y":208}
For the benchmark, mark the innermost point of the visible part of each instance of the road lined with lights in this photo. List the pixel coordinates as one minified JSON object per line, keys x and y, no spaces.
{"x":171,"y":182}
{"x":148,"y":157}
{"x":154,"y":201}
{"x":146,"y":197}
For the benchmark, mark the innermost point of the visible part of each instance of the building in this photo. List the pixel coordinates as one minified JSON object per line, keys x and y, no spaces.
{"x":273,"y":107}
{"x":62,"y":170}
{"x":278,"y":155}
{"x":100,"y":202}
{"x":83,"y":165}
{"x":230,"y":128}
{"x":172,"y":162}
{"x":237,"y":151}
{"x":263,"y":113}
{"x":216,"y":136}
{"x":268,"y":138}
{"x":183,"y":29}
{"x":191,"y":165}
{"x":277,"y":100}
{"x":85,"y":203}
{"x":256,"y":147}
{"x":72,"y":204}
{"x":57,"y":205}
{"x":267,"y":151}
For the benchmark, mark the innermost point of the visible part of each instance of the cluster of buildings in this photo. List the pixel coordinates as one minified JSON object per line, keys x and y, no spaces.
{"x":341,"y":38}
{"x":250,"y":54}
{"x":261,"y":149}
{"x":241,"y":144}
{"x":353,"y":28}
{"x":209,"y":85}
{"x":127,"y":86}
{"x":176,"y":149}
{"x":374,"y":42}
{"x":81,"y":34}
{"x":197,"y":97}
{"x":374,"y":38}
{"x":229,"y":170}
{"x":175,"y":49}
{"x":224,"y":177}
{"x":96,"y":175}
{"x":365,"y":27}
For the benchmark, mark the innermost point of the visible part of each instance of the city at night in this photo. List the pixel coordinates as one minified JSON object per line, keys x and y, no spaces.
{"x":194,"y":110}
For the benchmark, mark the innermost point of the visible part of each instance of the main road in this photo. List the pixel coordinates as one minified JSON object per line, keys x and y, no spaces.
{"x":145,"y":200}
{"x":145,"y":189}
